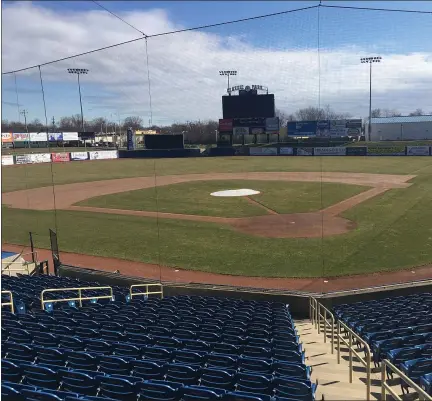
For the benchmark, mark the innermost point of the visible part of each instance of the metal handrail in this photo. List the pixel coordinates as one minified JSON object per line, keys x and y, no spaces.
{"x":80,"y":298}
{"x":331,"y":324}
{"x":24,"y":267}
{"x":147,"y":292}
{"x":365,"y":362}
{"x":423,"y":396}
{"x":10,"y":303}
{"x":313,"y":310}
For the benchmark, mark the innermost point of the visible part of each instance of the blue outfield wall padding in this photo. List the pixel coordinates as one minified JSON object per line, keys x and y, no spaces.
{"x":222,"y":151}
{"x":158,"y":153}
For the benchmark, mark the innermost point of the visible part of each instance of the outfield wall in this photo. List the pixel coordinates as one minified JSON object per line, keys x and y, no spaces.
{"x":59,"y":157}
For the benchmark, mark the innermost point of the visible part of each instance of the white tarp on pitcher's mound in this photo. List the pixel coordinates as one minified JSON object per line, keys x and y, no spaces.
{"x":235,"y":192}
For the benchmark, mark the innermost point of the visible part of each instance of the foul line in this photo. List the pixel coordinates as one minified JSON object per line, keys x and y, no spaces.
{"x":255,"y":202}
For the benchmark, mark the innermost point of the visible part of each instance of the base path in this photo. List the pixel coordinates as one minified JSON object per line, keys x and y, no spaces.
{"x":163,"y":273}
{"x":297,"y":225}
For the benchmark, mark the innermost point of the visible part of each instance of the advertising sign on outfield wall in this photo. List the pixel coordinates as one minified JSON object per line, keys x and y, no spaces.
{"x":70,"y":136}
{"x":105,"y":154}
{"x":60,"y":157}
{"x":56,"y":136}
{"x":417,"y":150}
{"x":330,"y":151}
{"x":38,"y":137}
{"x":79,"y":156}
{"x":356,"y":151}
{"x":272,"y":124}
{"x":257,"y":131}
{"x":386,"y":151}
{"x":22,"y":159}
{"x":20,"y":136}
{"x":286,"y":151}
{"x":7,"y":137}
{"x":263,"y":151}
{"x":7,"y":160}
{"x":304,"y":151}
{"x":40,"y":158}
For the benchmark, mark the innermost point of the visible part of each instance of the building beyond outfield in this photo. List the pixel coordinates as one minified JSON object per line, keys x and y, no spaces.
{"x":400,"y":128}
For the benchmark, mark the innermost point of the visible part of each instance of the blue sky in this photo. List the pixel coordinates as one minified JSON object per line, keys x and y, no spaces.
{"x":278,"y":52}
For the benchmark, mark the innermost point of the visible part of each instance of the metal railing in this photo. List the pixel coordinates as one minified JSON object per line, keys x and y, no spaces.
{"x":331,"y":323}
{"x":422,"y":395}
{"x":313,"y":310}
{"x":147,"y":287}
{"x":79,"y":298}
{"x":350,"y":344}
{"x":10,"y":303}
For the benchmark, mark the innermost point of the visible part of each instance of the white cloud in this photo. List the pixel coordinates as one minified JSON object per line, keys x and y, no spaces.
{"x":185,"y":84}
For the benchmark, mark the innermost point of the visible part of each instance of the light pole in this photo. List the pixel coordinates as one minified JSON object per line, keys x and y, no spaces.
{"x":370,"y":60}
{"x":78,"y":72}
{"x":228,"y":74}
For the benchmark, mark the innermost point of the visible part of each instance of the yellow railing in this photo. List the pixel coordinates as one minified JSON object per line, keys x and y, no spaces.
{"x":326,"y":313}
{"x":79,"y":298}
{"x":147,"y":291}
{"x":422,"y":395}
{"x":10,"y":303}
{"x":350,"y":344}
{"x":313,"y":311}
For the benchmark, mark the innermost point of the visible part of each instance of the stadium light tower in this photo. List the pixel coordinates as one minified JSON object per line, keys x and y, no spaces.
{"x":228,"y":74}
{"x":78,"y":72}
{"x":370,"y":61}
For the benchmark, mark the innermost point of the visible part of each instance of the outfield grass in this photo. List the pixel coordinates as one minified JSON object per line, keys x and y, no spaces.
{"x":394,"y":230}
{"x":195,"y":198}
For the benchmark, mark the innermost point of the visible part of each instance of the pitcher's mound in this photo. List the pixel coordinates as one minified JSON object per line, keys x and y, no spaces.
{"x":235,"y":192}
{"x":297,"y":225}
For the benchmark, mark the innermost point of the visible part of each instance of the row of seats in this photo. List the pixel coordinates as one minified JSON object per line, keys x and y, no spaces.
{"x":124,"y":387}
{"x":398,"y":329}
{"x":124,"y":359}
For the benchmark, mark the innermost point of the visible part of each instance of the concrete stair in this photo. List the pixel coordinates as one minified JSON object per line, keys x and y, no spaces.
{"x":333,"y":378}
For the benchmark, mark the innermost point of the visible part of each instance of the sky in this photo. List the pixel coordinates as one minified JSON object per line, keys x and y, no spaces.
{"x":306,"y":58}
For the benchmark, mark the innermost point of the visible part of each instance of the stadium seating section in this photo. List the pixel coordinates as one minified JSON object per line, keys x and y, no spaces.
{"x":398,"y":329}
{"x":175,"y":348}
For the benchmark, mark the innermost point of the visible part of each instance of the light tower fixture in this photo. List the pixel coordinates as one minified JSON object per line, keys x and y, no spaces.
{"x":228,"y":73}
{"x":370,"y":61}
{"x":78,"y":72}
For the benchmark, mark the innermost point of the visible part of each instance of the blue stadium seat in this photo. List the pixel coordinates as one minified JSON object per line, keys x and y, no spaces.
{"x":114,"y":365}
{"x":222,"y":361}
{"x":10,"y":371}
{"x":20,"y":352}
{"x":295,"y":389}
{"x":77,"y":382}
{"x":415,"y":369}
{"x":217,"y":378}
{"x":9,"y":393}
{"x":50,"y":356}
{"x":147,"y":370}
{"x":196,"y":393}
{"x":253,"y":383}
{"x":188,"y":357}
{"x":81,"y":360}
{"x":157,"y":392}
{"x":255,"y":365}
{"x":40,"y":376}
{"x":426,"y":383}
{"x":179,"y":373}
{"x":117,"y":388}
{"x":157,"y":353}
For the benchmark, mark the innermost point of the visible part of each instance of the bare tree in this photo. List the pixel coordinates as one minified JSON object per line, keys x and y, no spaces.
{"x":134,"y":122}
{"x":417,"y":112}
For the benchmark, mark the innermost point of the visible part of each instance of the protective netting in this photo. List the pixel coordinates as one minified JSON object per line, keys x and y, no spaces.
{"x":166,"y":221}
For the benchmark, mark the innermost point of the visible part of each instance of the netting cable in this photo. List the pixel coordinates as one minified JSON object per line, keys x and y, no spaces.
{"x":49,"y":148}
{"x":149,"y":85}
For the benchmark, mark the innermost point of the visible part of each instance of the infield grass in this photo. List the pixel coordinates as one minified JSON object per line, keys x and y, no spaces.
{"x":195,"y":198}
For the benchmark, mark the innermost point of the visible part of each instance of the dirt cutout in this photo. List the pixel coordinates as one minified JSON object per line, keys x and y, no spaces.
{"x":298,"y":225}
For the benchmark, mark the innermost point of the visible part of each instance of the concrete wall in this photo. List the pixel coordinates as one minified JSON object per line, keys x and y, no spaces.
{"x":401,"y":131}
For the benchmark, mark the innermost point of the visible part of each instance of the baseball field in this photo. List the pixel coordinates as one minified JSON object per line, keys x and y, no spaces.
{"x":312,"y":217}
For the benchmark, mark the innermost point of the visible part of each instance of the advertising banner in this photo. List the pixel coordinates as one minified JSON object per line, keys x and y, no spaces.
{"x":7,"y":160}
{"x":338,"y":128}
{"x":22,"y":159}
{"x":304,"y":151}
{"x":286,"y":151}
{"x":386,"y":151}
{"x":70,"y":136}
{"x":60,"y":157}
{"x":330,"y":151}
{"x":56,"y":136}
{"x":302,"y":128}
{"x":241,"y":131}
{"x":263,"y":151}
{"x":103,"y":155}
{"x":20,"y":136}
{"x":79,"y":156}
{"x":257,"y":131}
{"x":7,"y":137}
{"x":130,"y":139}
{"x":38,"y":137}
{"x":225,"y":125}
{"x":356,"y":150}
{"x":40,"y":158}
{"x":417,"y":151}
{"x":272,"y":124}
{"x":249,"y":122}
